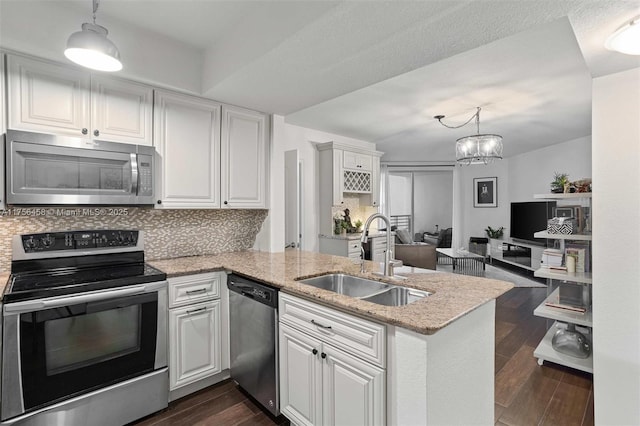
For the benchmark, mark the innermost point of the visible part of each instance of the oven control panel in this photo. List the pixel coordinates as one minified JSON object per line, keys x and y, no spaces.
{"x":78,"y":240}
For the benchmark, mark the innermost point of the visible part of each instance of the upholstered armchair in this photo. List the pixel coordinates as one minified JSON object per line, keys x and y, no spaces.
{"x":418,"y":255}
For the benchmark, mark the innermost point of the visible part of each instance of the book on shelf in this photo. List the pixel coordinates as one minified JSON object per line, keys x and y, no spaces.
{"x":558,"y":268}
{"x":579,"y":309}
{"x":551,"y":258}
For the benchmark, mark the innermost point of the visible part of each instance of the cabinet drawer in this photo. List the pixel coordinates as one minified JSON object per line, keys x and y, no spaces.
{"x":351,"y":160}
{"x":194,"y":288}
{"x":353,"y":248}
{"x":357,"y":336}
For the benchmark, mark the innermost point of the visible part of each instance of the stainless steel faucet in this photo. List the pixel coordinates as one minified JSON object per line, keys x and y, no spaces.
{"x":388,"y":255}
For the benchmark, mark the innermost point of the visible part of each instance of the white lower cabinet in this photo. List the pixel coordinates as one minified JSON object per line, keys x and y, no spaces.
{"x":196,"y":330}
{"x":195,"y":335}
{"x":323,"y":385}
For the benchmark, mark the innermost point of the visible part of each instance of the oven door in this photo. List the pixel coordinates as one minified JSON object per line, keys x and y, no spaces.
{"x":76,"y":344}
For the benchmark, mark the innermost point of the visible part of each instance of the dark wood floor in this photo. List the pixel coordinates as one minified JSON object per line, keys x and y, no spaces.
{"x":525,"y":393}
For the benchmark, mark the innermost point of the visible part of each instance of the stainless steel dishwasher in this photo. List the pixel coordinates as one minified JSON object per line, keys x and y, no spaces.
{"x":253,"y":321}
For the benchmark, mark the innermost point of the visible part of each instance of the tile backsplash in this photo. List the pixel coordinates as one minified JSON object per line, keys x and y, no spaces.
{"x":168,"y":233}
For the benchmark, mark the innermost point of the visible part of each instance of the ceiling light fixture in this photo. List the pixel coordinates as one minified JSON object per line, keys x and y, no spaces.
{"x":91,"y":48}
{"x":476,"y":149}
{"x":626,"y":39}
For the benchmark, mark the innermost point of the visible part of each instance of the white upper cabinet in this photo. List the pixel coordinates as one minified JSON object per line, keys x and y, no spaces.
{"x":52,"y":98}
{"x":353,"y":160}
{"x":3,"y":129}
{"x":121,"y":111}
{"x":187,"y":140}
{"x":244,"y":163}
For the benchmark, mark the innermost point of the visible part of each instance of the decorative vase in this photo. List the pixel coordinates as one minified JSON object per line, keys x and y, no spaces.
{"x":337,"y":227}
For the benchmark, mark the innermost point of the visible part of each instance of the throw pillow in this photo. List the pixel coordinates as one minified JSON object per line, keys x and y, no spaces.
{"x":404,"y":236}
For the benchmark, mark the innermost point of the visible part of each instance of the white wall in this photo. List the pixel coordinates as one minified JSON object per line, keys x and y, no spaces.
{"x":519,"y":177}
{"x":146,"y":57}
{"x":532,"y":172}
{"x":287,"y":137}
{"x":616,"y":240}
{"x":432,"y":200}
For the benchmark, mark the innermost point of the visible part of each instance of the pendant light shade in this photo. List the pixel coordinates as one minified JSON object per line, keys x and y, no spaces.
{"x":91,"y":48}
{"x":478,"y":148}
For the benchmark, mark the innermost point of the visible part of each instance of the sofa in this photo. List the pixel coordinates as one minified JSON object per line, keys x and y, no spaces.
{"x":418,"y":255}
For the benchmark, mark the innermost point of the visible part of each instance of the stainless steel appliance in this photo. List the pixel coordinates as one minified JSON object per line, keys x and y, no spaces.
{"x":84,"y":331}
{"x":253,"y":320}
{"x":55,"y":170}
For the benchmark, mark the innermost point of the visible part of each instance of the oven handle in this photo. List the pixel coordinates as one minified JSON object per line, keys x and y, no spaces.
{"x":36,"y":305}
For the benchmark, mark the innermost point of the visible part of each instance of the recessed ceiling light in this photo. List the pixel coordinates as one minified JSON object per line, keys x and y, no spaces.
{"x":626,"y":39}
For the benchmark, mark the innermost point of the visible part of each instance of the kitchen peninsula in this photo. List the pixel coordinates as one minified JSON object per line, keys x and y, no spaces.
{"x":438,"y":351}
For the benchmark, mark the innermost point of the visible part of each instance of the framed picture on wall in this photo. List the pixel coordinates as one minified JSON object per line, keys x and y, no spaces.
{"x":485,"y":192}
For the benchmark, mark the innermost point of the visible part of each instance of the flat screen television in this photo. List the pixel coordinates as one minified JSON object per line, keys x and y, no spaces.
{"x":530,"y":217}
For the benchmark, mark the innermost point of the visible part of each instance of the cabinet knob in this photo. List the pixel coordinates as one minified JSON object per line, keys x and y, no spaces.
{"x":85,"y":131}
{"x":323,"y":355}
{"x":159,"y":201}
{"x":96,"y":132}
{"x":225,"y":203}
{"x":314,"y":351}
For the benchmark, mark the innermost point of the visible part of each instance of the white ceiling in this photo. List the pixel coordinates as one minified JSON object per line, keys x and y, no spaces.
{"x":378,"y":70}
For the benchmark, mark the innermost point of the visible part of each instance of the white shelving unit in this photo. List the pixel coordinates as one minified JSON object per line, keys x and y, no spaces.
{"x":545,"y":352}
{"x":584,"y":319}
{"x":555,"y":279}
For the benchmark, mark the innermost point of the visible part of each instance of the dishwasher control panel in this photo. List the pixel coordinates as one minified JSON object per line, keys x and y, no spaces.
{"x":258,"y":291}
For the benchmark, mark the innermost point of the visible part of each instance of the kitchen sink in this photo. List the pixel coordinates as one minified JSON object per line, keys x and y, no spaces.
{"x":364,"y":289}
{"x":397,"y":296}
{"x":347,"y":285}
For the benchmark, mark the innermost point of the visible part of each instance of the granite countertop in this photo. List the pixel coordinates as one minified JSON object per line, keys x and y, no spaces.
{"x":454,"y":295}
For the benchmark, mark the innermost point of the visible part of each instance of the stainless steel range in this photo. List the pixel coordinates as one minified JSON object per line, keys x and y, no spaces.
{"x":84,"y":330}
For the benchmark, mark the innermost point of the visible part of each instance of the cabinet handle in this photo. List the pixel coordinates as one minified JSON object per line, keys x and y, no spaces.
{"x":193,"y":311}
{"x":200,"y":290}
{"x":225,"y":203}
{"x":323,"y":355}
{"x":317,"y":324}
{"x":96,"y":132}
{"x":159,"y":201}
{"x":314,"y":351}
{"x":85,"y":131}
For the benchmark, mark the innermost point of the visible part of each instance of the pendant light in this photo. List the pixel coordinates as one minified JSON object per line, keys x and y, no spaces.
{"x":478,"y":148}
{"x":91,"y":48}
{"x":626,"y":39}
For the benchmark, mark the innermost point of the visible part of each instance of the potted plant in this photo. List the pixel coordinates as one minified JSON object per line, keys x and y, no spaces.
{"x":494,"y":233}
{"x":560,"y":183}
{"x":358,"y":225}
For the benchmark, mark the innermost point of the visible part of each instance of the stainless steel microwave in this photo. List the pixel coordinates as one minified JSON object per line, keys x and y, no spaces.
{"x":44,"y":169}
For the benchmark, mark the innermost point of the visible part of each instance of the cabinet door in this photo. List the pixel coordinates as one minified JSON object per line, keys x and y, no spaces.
{"x":356,"y":161}
{"x":195,"y":343}
{"x":375,"y":182}
{"x":3,"y":130}
{"x":121,"y":111}
{"x":244,"y":158}
{"x":187,"y":140}
{"x":353,"y":390}
{"x":300,"y":377}
{"x":45,"y":97}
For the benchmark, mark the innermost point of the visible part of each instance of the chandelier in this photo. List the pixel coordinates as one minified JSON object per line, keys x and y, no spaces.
{"x":478,"y":148}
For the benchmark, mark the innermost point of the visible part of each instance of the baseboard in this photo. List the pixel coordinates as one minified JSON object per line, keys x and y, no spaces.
{"x":199,"y":385}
